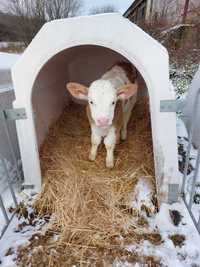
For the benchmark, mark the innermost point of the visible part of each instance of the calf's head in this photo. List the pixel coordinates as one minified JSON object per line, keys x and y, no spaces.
{"x":102,"y":98}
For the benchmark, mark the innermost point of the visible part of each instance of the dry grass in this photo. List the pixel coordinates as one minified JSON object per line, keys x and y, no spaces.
{"x":91,"y":204}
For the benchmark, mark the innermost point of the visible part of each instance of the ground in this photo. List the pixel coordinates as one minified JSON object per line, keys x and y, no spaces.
{"x":162,"y":243}
{"x":170,"y":245}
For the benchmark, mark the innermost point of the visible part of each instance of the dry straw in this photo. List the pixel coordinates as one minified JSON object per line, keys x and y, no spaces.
{"x":91,"y":203}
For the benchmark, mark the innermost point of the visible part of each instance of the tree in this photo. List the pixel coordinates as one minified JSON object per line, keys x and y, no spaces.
{"x":57,"y":9}
{"x":32,"y":14}
{"x":167,"y":13}
{"x":103,"y":9}
{"x":30,"y":17}
{"x":185,"y":11}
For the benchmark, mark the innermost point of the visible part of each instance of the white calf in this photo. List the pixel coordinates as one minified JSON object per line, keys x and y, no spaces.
{"x":108,"y":117}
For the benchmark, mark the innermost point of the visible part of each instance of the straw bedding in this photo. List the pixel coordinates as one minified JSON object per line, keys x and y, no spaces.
{"x":91,"y":204}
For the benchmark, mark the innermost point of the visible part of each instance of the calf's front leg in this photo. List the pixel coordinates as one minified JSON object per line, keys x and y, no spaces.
{"x":110,"y":142}
{"x":95,"y":141}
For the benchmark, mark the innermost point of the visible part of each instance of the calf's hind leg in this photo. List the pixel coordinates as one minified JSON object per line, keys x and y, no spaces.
{"x":127,"y":111}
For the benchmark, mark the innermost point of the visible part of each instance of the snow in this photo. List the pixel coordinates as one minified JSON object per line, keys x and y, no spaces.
{"x":14,"y":238}
{"x":118,"y":263}
{"x":7,"y":60}
{"x":185,"y":256}
{"x":176,"y":27}
{"x":169,"y":255}
{"x":142,"y":195}
{"x":7,"y":199}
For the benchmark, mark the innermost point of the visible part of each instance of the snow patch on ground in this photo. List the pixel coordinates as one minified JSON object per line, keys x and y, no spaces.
{"x":171,"y":255}
{"x":143,"y":195}
{"x":13,"y":240}
{"x":7,"y":60}
{"x":19,"y":232}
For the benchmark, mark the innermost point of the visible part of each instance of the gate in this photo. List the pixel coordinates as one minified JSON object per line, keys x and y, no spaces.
{"x":10,"y":178}
{"x":191,"y":179}
{"x":191,"y":172}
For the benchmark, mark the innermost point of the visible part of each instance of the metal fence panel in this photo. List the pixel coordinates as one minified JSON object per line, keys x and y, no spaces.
{"x":194,"y":178}
{"x":2,"y":204}
{"x":10,"y":178}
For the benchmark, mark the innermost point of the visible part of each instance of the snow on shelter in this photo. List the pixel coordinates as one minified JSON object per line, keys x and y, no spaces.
{"x":82,"y":49}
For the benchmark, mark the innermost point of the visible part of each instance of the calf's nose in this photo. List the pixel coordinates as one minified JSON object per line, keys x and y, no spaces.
{"x":103,"y":121}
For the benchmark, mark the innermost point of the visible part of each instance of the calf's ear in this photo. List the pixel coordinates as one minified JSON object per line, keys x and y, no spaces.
{"x":127,"y":91}
{"x":77,"y":90}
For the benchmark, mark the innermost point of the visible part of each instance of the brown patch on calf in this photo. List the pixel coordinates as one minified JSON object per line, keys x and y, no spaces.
{"x":130,"y":71}
{"x":128,"y":68}
{"x":118,"y":115}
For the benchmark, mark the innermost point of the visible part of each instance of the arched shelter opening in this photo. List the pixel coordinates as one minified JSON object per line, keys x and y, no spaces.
{"x":61,"y":52}
{"x":83,"y":64}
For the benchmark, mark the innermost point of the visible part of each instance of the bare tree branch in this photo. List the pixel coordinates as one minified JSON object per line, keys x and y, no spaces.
{"x":103,"y":9}
{"x":32,"y":14}
{"x":56,"y":9}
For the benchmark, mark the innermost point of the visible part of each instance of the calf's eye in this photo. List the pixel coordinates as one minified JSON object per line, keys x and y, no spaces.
{"x":91,"y":102}
{"x":113,"y":102}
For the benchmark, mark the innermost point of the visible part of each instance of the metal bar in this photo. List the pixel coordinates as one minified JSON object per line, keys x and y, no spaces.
{"x":173,"y":193}
{"x":15,"y":114}
{"x":197,"y":224}
{"x":171,"y":105}
{"x":11,"y":147}
{"x":9,"y":182}
{"x":190,"y":135}
{"x":6,"y":226}
{"x":4,"y":210}
{"x":194,"y":179}
{"x":27,"y":186}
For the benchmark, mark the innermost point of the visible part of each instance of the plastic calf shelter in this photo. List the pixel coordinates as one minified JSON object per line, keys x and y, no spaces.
{"x":81,"y":49}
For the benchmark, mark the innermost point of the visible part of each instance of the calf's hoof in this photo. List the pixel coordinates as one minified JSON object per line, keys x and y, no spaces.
{"x":123,"y":135}
{"x":118,"y":142}
{"x":92,"y":157}
{"x":109,"y":164}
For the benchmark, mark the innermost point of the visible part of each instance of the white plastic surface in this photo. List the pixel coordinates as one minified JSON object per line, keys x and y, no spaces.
{"x":77,"y":49}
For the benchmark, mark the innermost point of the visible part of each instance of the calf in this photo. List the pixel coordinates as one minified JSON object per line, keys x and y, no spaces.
{"x":110,"y":103}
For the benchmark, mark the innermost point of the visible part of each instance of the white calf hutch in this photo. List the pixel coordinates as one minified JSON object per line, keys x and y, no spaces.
{"x":82,"y":49}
